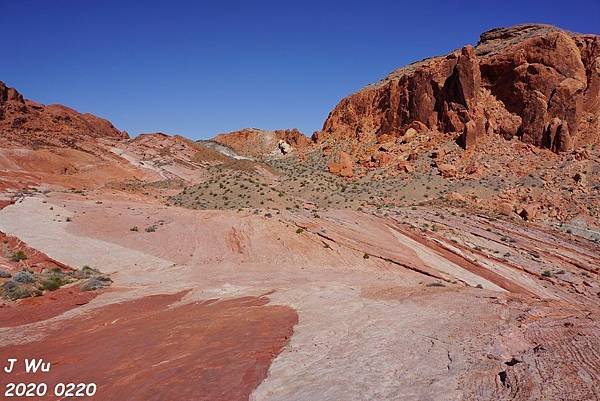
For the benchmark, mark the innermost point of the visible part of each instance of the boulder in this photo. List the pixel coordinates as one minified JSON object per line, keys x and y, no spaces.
{"x":405,"y":167}
{"x":381,"y":159}
{"x":284,"y":147}
{"x":456,"y":197}
{"x":473,"y":168}
{"x":528,"y":212}
{"x":506,"y":208}
{"x":469,"y":135}
{"x":409,"y":134}
{"x":344,"y":167}
{"x":447,"y":170}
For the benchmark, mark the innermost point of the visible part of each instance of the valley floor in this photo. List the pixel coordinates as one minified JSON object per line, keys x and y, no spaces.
{"x":410,"y":304}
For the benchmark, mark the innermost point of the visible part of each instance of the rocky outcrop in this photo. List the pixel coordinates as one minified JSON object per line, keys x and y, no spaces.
{"x":32,"y":124}
{"x":254,"y":142}
{"x":536,"y":82}
{"x":344,"y":167}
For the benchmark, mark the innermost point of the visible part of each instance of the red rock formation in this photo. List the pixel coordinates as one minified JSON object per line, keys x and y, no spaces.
{"x":37,"y":309}
{"x":534,"y":81}
{"x":36,"y":261}
{"x":447,"y":170}
{"x":223,"y":348}
{"x":344,"y":167}
{"x":254,"y":142}
{"x":32,"y":124}
{"x":60,"y":146}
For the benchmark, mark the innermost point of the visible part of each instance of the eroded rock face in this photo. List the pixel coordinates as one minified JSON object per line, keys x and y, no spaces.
{"x":29,"y":123}
{"x":536,"y":82}
{"x":254,"y":142}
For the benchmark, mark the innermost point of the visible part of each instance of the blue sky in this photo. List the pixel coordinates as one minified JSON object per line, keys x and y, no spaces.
{"x":200,"y":68}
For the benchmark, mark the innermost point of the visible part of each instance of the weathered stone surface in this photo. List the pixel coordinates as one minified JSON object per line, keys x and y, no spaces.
{"x":284,"y":147}
{"x":447,"y":170}
{"x":405,"y":166}
{"x":381,"y":158}
{"x":254,"y":142}
{"x":514,"y":82}
{"x":557,"y":136}
{"x":469,"y":135}
{"x":456,"y":197}
{"x":344,"y":167}
{"x":529,"y":212}
{"x":505,"y":208}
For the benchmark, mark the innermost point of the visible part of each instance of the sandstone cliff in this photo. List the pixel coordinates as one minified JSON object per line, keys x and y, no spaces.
{"x":536,"y":82}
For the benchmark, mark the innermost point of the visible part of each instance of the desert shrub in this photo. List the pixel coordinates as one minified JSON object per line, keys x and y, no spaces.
{"x":547,"y":273}
{"x":86,"y":272}
{"x":299,"y":231}
{"x":366,"y":256}
{"x":18,"y":256}
{"x":134,"y":228}
{"x":95,"y":283}
{"x":52,"y":283}
{"x":24,"y":277}
{"x":13,"y":290}
{"x":436,"y":284}
{"x":151,"y":229}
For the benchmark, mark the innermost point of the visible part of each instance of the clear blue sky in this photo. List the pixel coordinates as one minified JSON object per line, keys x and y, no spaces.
{"x":199,"y":68}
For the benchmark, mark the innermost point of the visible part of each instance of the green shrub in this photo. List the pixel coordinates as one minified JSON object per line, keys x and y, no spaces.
{"x":18,"y":256}
{"x":52,"y":283}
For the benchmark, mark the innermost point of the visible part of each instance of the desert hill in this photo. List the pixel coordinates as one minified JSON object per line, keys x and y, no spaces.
{"x":33,"y":124}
